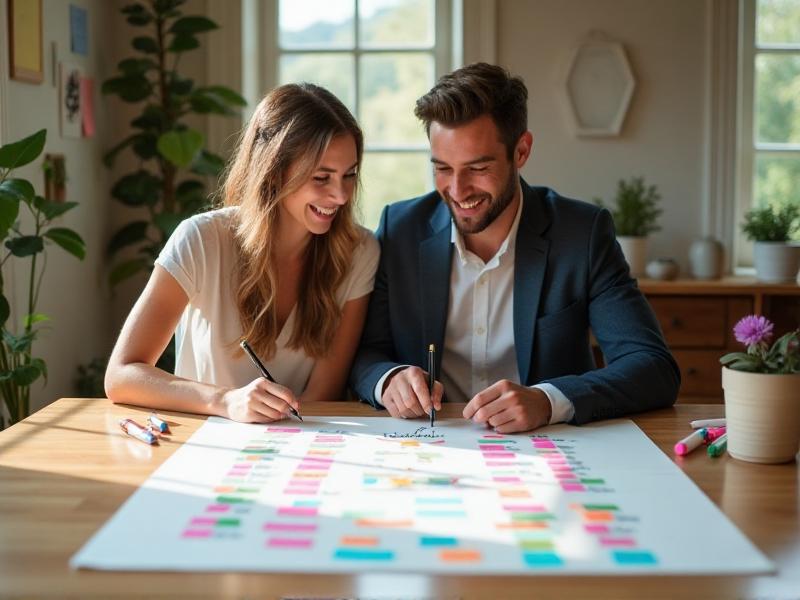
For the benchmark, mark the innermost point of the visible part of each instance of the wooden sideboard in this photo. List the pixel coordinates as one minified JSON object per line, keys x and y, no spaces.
{"x":697,"y":318}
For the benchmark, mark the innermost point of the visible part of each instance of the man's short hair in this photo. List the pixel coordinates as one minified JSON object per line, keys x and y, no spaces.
{"x":475,"y":90}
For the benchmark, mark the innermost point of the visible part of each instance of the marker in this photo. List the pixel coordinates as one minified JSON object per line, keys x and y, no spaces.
{"x":158,"y":423}
{"x":432,"y":377}
{"x":719,"y":446}
{"x":690,"y":442}
{"x":133,"y":429}
{"x":707,"y":423}
{"x":712,"y":433}
{"x":263,"y":370}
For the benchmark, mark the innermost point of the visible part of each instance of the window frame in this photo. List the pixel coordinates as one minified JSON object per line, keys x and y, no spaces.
{"x":749,"y":147}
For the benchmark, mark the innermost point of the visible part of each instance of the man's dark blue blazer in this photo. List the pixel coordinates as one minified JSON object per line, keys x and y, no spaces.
{"x":570,"y":278}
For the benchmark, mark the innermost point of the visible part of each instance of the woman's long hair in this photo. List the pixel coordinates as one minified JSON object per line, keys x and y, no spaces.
{"x":291,"y":126}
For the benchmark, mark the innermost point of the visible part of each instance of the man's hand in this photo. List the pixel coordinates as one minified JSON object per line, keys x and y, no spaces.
{"x":509,"y":407}
{"x":406,"y":396}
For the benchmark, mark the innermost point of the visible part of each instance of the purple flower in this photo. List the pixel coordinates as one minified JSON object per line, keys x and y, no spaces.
{"x":753,"y":329}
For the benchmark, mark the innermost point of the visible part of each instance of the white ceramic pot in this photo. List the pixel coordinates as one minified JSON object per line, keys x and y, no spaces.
{"x":776,"y":262}
{"x":763,"y":415}
{"x":635,"y":251}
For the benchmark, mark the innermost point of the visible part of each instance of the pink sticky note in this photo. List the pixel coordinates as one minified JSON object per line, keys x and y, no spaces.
{"x":204,"y":521}
{"x":87,"y":106}
{"x":596,"y":528}
{"x":297,"y":543}
{"x":298,"y":511}
{"x":617,"y":542}
{"x":196,"y":533}
{"x":278,"y":526}
{"x":218,"y":508}
{"x":573,"y":487}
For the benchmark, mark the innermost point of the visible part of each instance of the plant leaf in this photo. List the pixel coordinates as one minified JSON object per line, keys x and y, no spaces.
{"x":9,"y":210}
{"x":227,"y":95}
{"x":24,"y":151}
{"x":41,"y":365}
{"x":25,"y":245}
{"x":137,"y":189}
{"x":126,"y":270}
{"x":31,"y":320}
{"x":167,"y":222}
{"x":108,"y":157}
{"x":68,"y":240}
{"x":180,"y":147}
{"x":18,"y":343}
{"x":145,"y":44}
{"x":51,"y":210}
{"x":183,"y":42}
{"x":5,"y":309}
{"x":192,"y":25}
{"x":131,"y":233}
{"x":207,"y":163}
{"x":20,"y":189}
{"x":131,"y":88}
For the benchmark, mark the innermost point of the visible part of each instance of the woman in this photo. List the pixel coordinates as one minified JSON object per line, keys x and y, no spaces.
{"x":282,"y":264}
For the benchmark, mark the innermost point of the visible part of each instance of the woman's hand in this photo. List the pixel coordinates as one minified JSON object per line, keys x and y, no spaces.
{"x":260,"y":401}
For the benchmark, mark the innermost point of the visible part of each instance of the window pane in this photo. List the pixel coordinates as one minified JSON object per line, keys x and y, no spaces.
{"x":390,"y":85}
{"x":778,"y":22}
{"x":396,"y":23}
{"x":776,"y":180}
{"x":778,"y":98}
{"x":390,"y":176}
{"x":316,"y":23}
{"x":331,"y":71}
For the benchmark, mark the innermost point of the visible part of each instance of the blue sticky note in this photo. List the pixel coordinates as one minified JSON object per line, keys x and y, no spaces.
{"x":351,"y":554}
{"x":542,"y":559}
{"x":78,"y":30}
{"x":628,"y":557}
{"x":429,"y":541}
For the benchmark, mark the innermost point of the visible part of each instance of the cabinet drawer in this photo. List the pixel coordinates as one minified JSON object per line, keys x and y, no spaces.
{"x":701,"y":373}
{"x":692,"y":321}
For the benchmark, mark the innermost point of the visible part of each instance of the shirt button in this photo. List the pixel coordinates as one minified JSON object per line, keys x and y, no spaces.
{"x":482,"y":280}
{"x":480,"y":331}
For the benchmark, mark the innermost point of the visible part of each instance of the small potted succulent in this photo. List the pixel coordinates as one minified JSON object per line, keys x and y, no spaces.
{"x":635,"y":217}
{"x":762,"y":403}
{"x":776,"y":258}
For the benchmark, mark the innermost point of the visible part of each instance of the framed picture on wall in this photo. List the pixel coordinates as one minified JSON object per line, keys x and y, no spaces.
{"x":25,"y":40}
{"x":69,"y":99}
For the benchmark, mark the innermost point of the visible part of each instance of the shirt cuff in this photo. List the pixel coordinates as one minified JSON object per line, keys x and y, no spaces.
{"x":377,"y":392}
{"x":562,"y":409}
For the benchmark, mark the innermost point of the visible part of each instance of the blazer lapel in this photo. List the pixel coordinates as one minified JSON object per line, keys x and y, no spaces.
{"x":435,"y":254}
{"x":530,"y":265}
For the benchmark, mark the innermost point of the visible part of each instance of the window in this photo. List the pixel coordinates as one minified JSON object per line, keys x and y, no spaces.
{"x":378,"y":57}
{"x":770,"y":115}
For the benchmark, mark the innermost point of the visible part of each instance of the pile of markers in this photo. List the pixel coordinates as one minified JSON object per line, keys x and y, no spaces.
{"x":149,"y":434}
{"x":711,"y":432}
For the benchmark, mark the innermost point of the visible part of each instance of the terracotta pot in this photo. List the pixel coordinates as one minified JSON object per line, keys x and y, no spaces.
{"x":763,"y":415}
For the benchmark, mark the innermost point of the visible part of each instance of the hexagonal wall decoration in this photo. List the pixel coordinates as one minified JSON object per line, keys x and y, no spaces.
{"x":598,"y":88}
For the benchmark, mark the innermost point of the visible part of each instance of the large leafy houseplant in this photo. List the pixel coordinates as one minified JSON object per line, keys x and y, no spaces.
{"x":169,"y":152}
{"x":19,"y":368}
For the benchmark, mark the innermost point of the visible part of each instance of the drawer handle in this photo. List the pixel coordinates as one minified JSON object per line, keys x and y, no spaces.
{"x":676,"y":323}
{"x":691,"y":371}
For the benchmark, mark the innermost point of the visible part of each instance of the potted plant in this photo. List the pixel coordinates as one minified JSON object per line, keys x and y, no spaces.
{"x":771,"y":228}
{"x":19,"y":368}
{"x":635,"y":217}
{"x":762,"y":403}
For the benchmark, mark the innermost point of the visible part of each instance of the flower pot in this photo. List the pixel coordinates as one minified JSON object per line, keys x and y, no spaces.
{"x":705,"y":258}
{"x":763,"y":415}
{"x":635,"y":251}
{"x":776,"y":262}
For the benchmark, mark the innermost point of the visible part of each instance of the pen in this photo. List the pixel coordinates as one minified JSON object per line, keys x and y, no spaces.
{"x":690,"y":442}
{"x":712,"y":433}
{"x":719,"y":446}
{"x":157,"y":423}
{"x":263,"y":370}
{"x":133,"y":429}
{"x":707,"y":423}
{"x":432,"y":377}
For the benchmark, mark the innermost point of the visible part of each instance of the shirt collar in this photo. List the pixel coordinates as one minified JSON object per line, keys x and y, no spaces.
{"x":508,"y":244}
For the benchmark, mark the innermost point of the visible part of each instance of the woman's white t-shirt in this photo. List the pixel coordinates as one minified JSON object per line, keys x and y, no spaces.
{"x":201,"y":255}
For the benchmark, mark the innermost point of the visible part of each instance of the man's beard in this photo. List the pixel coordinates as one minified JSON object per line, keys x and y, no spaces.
{"x":496,"y":207}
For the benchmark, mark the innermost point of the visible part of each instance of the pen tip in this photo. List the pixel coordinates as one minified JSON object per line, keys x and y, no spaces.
{"x":431,"y":348}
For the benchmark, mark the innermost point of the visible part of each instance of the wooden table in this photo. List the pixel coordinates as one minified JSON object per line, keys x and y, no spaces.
{"x":66,"y":469}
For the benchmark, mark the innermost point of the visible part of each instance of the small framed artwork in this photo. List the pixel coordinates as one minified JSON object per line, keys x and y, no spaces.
{"x":25,"y":40}
{"x":69,"y":96}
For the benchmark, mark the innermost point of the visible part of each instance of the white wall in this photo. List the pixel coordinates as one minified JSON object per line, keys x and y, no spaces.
{"x":662,"y":138}
{"x":72,"y":291}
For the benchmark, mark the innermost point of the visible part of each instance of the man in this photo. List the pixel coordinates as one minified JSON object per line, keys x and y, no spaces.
{"x":506,"y":280}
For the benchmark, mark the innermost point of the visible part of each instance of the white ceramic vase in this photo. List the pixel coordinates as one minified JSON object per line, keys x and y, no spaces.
{"x":762,"y":412}
{"x":705,"y":258}
{"x":776,"y":262}
{"x":635,"y":251}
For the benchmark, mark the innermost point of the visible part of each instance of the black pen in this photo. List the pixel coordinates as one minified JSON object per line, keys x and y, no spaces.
{"x":432,"y":377}
{"x":263,"y":370}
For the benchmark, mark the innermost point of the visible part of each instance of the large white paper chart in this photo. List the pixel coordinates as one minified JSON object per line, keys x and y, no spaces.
{"x":345,"y":494}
